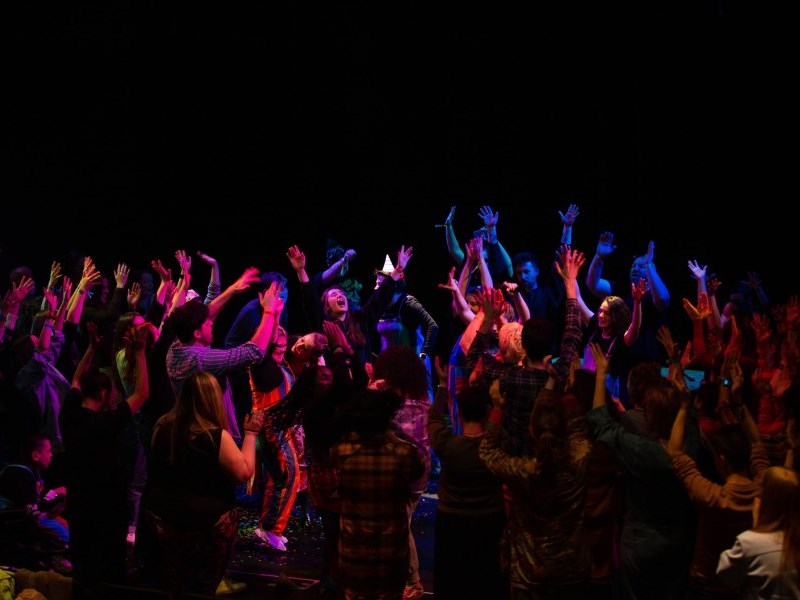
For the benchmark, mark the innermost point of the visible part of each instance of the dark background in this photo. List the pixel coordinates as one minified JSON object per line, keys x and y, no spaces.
{"x":131,"y":130}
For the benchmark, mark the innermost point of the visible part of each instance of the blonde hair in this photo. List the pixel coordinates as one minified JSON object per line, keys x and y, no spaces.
{"x":510,"y":342}
{"x":779,"y":510}
{"x":198,"y":410}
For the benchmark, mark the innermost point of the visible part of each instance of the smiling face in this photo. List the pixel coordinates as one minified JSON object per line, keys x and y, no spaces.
{"x":334,"y":303}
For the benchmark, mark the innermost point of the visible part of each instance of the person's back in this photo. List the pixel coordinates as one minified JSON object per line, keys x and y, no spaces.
{"x":764,"y":562}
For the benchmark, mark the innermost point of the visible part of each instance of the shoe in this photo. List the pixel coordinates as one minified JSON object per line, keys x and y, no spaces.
{"x":270,"y":539}
{"x":414,"y":592}
{"x":131,"y":537}
{"x":229,"y":587}
{"x":284,"y":539}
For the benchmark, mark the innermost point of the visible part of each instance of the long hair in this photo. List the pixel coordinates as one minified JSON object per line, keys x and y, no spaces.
{"x":198,"y":410}
{"x":548,"y":427}
{"x":352,"y":326}
{"x":780,"y":511}
{"x":619,"y":313}
{"x":403,"y":371}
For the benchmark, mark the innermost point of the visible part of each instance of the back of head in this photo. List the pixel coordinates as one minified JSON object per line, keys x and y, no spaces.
{"x":33,"y":442}
{"x":641,"y":377}
{"x":199,"y":404}
{"x":583,"y":389}
{"x":779,"y":510}
{"x":731,"y":442}
{"x":266,"y":279}
{"x":510,"y":342}
{"x":661,"y":404}
{"x":473,"y":403}
{"x":403,"y":371}
{"x":189,"y":318}
{"x":538,"y":336}
{"x":94,"y":381}
{"x":370,"y":411}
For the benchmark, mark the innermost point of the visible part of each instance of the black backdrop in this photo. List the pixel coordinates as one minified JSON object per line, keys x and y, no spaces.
{"x":133,"y":130}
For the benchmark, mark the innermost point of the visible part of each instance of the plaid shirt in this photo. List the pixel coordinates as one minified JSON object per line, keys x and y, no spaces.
{"x":521,"y":384}
{"x":375,"y":479}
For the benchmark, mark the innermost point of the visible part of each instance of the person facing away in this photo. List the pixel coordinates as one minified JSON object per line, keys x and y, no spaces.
{"x":764,"y":562}
{"x":195,"y":467}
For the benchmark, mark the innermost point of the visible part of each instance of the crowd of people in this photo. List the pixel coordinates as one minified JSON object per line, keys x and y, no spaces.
{"x":585,"y":450}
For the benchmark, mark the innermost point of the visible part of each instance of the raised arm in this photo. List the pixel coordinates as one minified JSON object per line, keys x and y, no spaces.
{"x":246,"y":279}
{"x":595,"y":283}
{"x":450,"y":238}
{"x":89,"y":278}
{"x":638,"y":290}
{"x":297,"y":259}
{"x":658,"y":289}
{"x":55,"y":275}
{"x":497,"y":253}
{"x":240,"y":464}
{"x":567,"y":221}
{"x":459,"y":303}
{"x":338,"y":268}
{"x":214,"y":282}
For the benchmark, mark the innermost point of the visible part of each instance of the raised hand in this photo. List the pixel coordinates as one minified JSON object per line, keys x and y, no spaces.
{"x":605,"y":245}
{"x":568,"y":218}
{"x":184,"y":261}
{"x":511,"y":287}
{"x":651,"y":250}
{"x":600,"y":360}
{"x":639,"y":289}
{"x":164,"y":273}
{"x":121,"y":274}
{"x":134,"y":294}
{"x":206,"y":258}
{"x":91,"y":276}
{"x":66,"y":291}
{"x":571,"y":262}
{"x":449,"y":219}
{"x":55,"y":274}
{"x":712,"y":285}
{"x":699,"y":312}
{"x":697,"y":270}
{"x":51,"y":299}
{"x":489,"y":218}
{"x":761,"y":328}
{"x":270,"y":298}
{"x":246,"y":279}
{"x":296,"y":257}
{"x":403,"y":256}
{"x":664,"y":337}
{"x":451,"y":283}
{"x":493,"y":303}
{"x":21,"y":290}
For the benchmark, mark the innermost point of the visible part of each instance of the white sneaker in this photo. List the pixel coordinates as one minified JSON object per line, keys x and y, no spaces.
{"x":270,"y":539}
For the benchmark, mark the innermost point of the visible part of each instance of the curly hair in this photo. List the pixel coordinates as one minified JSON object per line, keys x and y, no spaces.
{"x":403,"y":371}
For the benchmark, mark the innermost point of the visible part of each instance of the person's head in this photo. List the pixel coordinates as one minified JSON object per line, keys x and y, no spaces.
{"x":526,"y":270}
{"x":474,"y":403}
{"x":778,"y":509}
{"x":661,"y":404}
{"x":370,"y":411}
{"x":578,"y":396}
{"x":147,"y":282}
{"x":731,"y":449}
{"x":266,"y":279}
{"x":334,"y":303}
{"x":614,"y":315}
{"x":38,"y":450}
{"x":510,"y":342}
{"x":192,"y":323}
{"x":386,"y":271}
{"x":402,"y":369}
{"x":538,"y":336}
{"x":638,"y":269}
{"x":124,"y":328}
{"x":548,"y":429}
{"x":104,"y":292}
{"x":473,"y":298}
{"x":277,"y":349}
{"x":97,"y":386}
{"x":200,"y":402}
{"x":310,"y":347}
{"x":641,"y":377}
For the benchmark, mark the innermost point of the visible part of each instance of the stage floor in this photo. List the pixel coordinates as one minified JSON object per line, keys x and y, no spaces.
{"x":296,"y":572}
